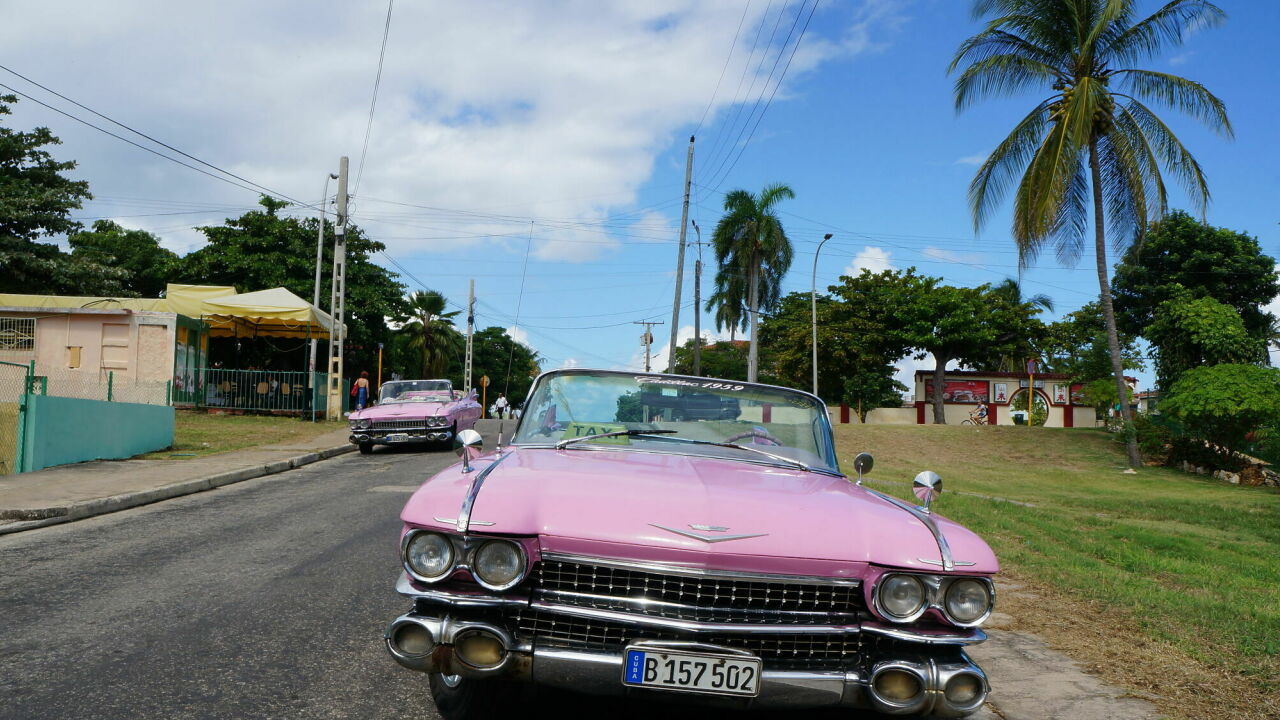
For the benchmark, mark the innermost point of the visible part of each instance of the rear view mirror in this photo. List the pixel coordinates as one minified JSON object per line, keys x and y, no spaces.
{"x":862,"y":465}
{"x":927,"y":487}
{"x":469,"y":444}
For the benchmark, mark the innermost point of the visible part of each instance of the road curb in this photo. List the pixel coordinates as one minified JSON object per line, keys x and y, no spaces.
{"x":20,"y":520}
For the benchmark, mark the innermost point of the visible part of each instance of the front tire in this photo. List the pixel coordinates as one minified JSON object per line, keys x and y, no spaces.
{"x":366,"y":448}
{"x":459,"y":698}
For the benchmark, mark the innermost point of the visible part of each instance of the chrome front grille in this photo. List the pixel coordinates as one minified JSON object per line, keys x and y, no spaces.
{"x":417,"y":424}
{"x":700,"y":598}
{"x":779,"y":651}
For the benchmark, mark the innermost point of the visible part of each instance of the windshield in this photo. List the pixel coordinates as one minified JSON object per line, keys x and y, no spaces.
{"x":399,"y":391}
{"x":575,"y":404}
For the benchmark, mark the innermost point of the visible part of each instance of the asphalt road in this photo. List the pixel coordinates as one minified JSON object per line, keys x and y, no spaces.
{"x":264,"y":599}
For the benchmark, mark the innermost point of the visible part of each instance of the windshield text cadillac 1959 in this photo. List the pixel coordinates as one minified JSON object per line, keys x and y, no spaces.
{"x":690,"y":539}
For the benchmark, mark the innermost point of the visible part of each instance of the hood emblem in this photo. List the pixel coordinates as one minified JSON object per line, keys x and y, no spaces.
{"x":707,"y":538}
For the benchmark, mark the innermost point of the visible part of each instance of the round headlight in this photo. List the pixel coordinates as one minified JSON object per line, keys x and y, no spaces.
{"x":499,"y":564}
{"x":429,"y":556}
{"x":967,"y":600}
{"x":901,"y":596}
{"x":364,"y":423}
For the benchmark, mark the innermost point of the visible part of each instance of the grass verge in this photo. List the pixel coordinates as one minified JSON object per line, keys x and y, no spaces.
{"x":198,"y":433}
{"x":1162,"y":582}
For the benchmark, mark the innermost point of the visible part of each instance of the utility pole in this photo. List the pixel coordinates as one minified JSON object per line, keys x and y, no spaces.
{"x":337,"y":303}
{"x":697,"y":304}
{"x":471,"y":327}
{"x":315,"y":296}
{"x":813,"y":305}
{"x":684,"y":226}
{"x":647,"y":340}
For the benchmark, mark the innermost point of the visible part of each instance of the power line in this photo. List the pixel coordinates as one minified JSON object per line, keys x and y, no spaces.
{"x":746,"y":66}
{"x":373,"y":103}
{"x":732,"y":46}
{"x":777,"y":85}
{"x":139,"y":133}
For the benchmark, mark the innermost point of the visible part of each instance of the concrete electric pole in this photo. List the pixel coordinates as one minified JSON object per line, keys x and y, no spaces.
{"x":697,"y":304}
{"x":337,"y":305}
{"x":315,"y":296}
{"x":471,"y":328}
{"x":684,"y":226}
{"x":647,"y":340}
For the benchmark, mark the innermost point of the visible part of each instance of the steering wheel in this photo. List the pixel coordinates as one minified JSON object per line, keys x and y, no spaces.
{"x":761,"y":434}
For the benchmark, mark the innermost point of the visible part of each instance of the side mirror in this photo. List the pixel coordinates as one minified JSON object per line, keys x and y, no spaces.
{"x":862,"y":465}
{"x":927,"y":487}
{"x":468,"y":444}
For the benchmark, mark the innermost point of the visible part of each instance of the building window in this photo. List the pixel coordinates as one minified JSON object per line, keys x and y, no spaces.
{"x":17,"y":334}
{"x":73,"y":356}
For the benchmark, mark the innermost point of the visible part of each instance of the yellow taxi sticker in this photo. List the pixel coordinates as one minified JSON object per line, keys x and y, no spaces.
{"x":576,"y":430}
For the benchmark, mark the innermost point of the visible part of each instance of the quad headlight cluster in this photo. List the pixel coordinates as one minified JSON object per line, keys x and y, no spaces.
{"x":361,"y":424}
{"x":496,"y":564}
{"x":964,"y":601}
{"x":437,"y":421}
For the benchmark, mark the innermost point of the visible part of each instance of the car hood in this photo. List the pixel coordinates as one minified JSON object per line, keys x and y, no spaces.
{"x":396,"y":410}
{"x":640,"y":505}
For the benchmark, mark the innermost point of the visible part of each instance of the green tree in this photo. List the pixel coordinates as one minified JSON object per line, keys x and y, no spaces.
{"x":137,"y":252}
{"x":726,"y":360}
{"x":261,"y":250}
{"x":1183,"y":256}
{"x":1222,"y":404}
{"x":1010,"y":290}
{"x":868,"y":388}
{"x":751,"y":243}
{"x":1191,"y":332}
{"x":1076,"y":345}
{"x":431,"y":332}
{"x":1093,"y":146}
{"x":494,"y":353}
{"x":36,"y":200}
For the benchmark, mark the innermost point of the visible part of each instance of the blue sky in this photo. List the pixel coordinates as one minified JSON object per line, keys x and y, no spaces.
{"x":561,"y":128}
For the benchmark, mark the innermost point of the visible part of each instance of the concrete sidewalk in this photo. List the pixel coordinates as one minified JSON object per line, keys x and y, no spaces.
{"x":72,"y":492}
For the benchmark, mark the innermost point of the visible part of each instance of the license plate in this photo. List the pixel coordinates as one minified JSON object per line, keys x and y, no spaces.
{"x":692,"y":672}
{"x":398,"y":437}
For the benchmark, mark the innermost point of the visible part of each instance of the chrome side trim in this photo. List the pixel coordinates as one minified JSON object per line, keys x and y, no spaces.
{"x":692,"y":626}
{"x":453,"y":521}
{"x":973,"y":637}
{"x":948,"y":563}
{"x":690,"y":571}
{"x":477,"y":598}
{"x":927,"y":561}
{"x":464,"y":515}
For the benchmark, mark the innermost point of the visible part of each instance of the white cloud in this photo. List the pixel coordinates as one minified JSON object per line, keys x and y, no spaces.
{"x":485,"y":105}
{"x":875,"y":259}
{"x":570,"y":363}
{"x":1181,"y":58}
{"x":951,"y":256}
{"x":519,"y":335}
{"x":658,"y":358}
{"x":971,"y":160}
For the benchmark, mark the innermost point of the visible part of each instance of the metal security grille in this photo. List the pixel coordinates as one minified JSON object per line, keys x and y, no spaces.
{"x":779,"y":651}
{"x":17,"y":334}
{"x":703,"y":598}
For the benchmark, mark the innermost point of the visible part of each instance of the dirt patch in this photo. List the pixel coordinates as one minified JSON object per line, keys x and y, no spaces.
{"x":1114,"y":648}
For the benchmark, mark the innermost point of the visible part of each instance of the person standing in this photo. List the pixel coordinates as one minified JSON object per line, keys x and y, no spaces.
{"x":361,"y":390}
{"x":501,"y":405}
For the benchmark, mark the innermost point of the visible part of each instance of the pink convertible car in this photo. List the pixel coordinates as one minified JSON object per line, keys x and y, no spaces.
{"x":414,"y":411}
{"x":678,"y":537}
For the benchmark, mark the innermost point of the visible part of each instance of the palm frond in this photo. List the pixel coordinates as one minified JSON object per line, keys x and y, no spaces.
{"x":1179,"y":93}
{"x":1167,"y":26}
{"x":1001,"y":75}
{"x":1010,"y":157}
{"x":1173,"y":155}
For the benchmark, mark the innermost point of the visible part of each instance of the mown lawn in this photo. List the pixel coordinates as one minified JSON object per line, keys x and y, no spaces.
{"x":199,"y":433}
{"x":1173,"y":567}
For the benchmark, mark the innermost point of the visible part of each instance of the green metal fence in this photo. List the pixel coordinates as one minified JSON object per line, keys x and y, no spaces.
{"x":271,"y":391}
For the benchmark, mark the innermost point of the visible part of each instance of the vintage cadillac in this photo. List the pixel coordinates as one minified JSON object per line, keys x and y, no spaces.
{"x":414,"y":411}
{"x":629,"y":542}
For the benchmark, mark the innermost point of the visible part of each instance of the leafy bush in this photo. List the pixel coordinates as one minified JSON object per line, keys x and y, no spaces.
{"x":1222,"y":404}
{"x":1155,"y":437}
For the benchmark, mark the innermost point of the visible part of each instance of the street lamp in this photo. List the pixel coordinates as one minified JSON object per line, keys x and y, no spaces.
{"x":315,"y":299}
{"x":813,"y":300}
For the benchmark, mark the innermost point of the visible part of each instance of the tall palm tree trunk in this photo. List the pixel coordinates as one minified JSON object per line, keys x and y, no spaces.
{"x":754,"y":301}
{"x":1108,"y":311}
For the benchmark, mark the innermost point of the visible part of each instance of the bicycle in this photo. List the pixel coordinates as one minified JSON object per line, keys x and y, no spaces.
{"x":977,"y":417}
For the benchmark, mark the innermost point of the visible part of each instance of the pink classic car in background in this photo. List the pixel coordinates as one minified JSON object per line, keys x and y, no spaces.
{"x":686,"y":538}
{"x":414,"y":411}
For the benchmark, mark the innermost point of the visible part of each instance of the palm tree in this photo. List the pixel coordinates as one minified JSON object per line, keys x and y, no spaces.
{"x":727,"y":304}
{"x":1093,"y":145}
{"x":750,"y":243}
{"x":431,"y":331}
{"x":1011,"y":290}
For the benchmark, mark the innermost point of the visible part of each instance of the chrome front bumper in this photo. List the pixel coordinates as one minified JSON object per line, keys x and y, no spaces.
{"x":600,"y":672}
{"x":360,"y":437}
